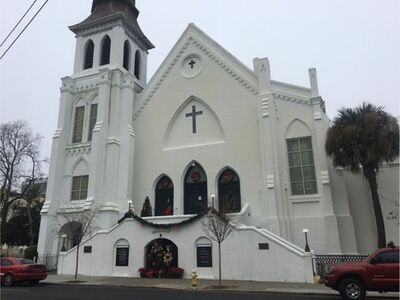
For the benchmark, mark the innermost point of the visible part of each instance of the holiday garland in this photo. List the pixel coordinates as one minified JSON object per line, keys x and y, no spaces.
{"x":144,"y":222}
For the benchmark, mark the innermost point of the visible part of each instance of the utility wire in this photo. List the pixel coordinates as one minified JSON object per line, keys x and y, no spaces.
{"x":5,"y":52}
{"x":12,"y":30}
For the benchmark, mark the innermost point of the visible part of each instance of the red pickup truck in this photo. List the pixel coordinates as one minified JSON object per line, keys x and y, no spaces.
{"x":378,"y":272}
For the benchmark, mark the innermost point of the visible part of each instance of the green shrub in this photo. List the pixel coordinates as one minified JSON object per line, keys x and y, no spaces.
{"x":30,"y":252}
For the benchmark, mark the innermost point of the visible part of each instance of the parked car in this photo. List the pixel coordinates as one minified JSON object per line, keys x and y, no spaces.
{"x":378,"y":272}
{"x":14,"y":269}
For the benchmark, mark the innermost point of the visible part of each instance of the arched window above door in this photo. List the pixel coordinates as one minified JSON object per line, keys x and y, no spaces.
{"x":229,"y":191}
{"x":164,"y":203}
{"x":195,"y":189}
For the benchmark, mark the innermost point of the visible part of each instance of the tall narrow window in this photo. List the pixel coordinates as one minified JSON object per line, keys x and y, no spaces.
{"x":105,"y":51}
{"x":93,"y":119}
{"x":79,"y":187}
{"x":229,"y":192}
{"x":164,"y":197}
{"x":78,"y":124}
{"x":137,"y":64}
{"x":127,"y":55}
{"x":301,"y":166}
{"x":89,"y":49}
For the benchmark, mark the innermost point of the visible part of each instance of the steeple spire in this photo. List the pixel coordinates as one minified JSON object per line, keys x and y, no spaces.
{"x":105,"y":11}
{"x":104,"y":7}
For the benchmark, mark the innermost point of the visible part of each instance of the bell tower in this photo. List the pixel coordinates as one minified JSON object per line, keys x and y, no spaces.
{"x":91,"y":165}
{"x":111,"y":36}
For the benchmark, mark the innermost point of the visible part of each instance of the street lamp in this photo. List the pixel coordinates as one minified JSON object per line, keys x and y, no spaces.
{"x":64,"y":236}
{"x":130,"y":205}
{"x":212,"y":201}
{"x":307,"y":247}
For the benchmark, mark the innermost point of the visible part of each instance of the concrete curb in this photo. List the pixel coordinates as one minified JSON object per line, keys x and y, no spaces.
{"x":206,"y":289}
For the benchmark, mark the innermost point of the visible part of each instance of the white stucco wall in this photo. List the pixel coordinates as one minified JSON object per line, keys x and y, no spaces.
{"x":282,"y":262}
{"x":226,"y":134}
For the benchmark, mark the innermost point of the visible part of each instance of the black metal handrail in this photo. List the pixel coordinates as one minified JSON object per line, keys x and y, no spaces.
{"x":322,"y":263}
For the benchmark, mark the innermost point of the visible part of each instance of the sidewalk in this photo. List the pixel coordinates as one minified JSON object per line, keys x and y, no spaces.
{"x":204,"y":284}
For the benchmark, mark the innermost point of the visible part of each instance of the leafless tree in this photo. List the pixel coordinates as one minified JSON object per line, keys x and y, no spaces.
{"x":19,"y":162}
{"x":218,"y":225}
{"x":76,"y":224}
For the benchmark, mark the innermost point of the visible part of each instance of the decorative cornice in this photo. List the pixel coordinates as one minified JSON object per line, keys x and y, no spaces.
{"x":67,"y":85}
{"x":223,"y":66}
{"x":158,"y":84}
{"x":131,"y":131}
{"x":265,"y":107}
{"x":218,"y":61}
{"x":45,"y":207}
{"x":78,"y":149}
{"x":324,"y":177}
{"x":317,"y":116}
{"x":57,"y":133}
{"x":73,"y":206}
{"x":128,"y":82}
{"x":110,"y":21}
{"x":113,"y":140}
{"x":270,"y":181}
{"x":97,"y":126}
{"x":87,"y":88}
{"x":290,"y":98}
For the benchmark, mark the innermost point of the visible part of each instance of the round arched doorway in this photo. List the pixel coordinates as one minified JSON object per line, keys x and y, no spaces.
{"x":161,"y":254}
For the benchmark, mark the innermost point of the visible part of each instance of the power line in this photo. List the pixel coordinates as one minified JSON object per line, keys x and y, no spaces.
{"x":5,"y":52}
{"x":12,"y":30}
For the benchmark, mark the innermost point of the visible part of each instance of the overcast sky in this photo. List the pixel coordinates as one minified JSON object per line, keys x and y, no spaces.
{"x":354,"y":44}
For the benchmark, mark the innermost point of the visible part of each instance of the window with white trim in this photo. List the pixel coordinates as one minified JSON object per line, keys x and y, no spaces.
{"x":79,"y":187}
{"x":92,"y":121}
{"x":78,"y":124}
{"x":301,"y":166}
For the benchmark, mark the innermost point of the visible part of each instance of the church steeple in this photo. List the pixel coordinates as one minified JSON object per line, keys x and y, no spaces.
{"x":124,"y":5}
{"x":112,"y":35}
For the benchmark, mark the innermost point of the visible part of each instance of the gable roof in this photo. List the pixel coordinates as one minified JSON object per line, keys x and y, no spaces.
{"x":229,"y":63}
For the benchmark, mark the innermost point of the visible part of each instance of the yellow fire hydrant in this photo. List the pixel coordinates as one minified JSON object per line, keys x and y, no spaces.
{"x":194,"y":278}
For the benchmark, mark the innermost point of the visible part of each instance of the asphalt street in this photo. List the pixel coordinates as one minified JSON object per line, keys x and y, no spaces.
{"x":69,"y":292}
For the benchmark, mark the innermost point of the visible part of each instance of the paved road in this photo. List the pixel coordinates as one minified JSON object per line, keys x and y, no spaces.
{"x":66,"y":292}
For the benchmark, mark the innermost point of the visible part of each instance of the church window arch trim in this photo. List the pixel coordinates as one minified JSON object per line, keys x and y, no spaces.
{"x":88,"y":55}
{"x":229,"y":190}
{"x":127,"y":55}
{"x":219,"y":133}
{"x":163,"y":196}
{"x":84,"y":118}
{"x":138,"y":65}
{"x":80,"y":179}
{"x":195,"y":189}
{"x":105,"y":50}
{"x":300,"y":159}
{"x":303,"y":180}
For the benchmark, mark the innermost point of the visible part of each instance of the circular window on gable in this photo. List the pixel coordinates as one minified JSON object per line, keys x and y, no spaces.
{"x":191,"y":66}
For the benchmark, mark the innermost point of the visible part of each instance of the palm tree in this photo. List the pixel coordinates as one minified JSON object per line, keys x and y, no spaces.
{"x":362,"y":139}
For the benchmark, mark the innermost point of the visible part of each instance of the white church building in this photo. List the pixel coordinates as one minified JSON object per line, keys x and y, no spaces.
{"x":205,"y":124}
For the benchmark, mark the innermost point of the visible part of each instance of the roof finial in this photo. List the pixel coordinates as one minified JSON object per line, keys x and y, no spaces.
{"x":313,"y":82}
